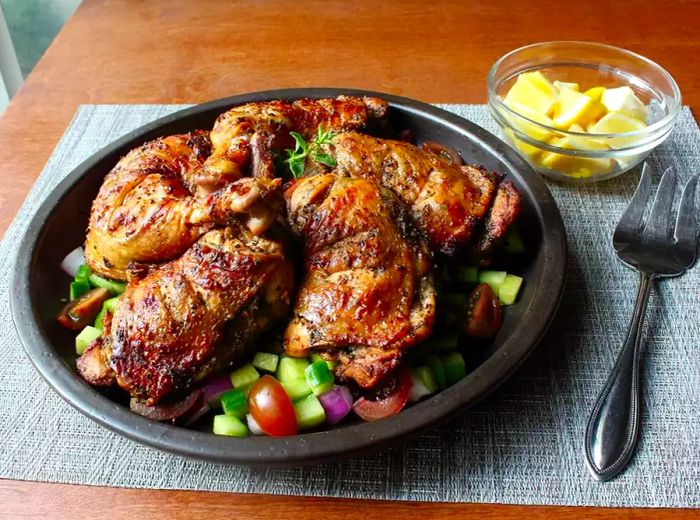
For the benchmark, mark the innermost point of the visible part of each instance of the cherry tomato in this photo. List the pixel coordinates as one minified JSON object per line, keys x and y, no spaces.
{"x":483,"y":313}
{"x":387,"y":400}
{"x":271,"y":407}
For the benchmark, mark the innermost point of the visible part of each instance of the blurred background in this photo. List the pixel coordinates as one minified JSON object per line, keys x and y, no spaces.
{"x":27,"y":27}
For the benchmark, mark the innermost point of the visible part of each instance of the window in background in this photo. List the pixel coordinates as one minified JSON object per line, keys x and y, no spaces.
{"x":32,"y":25}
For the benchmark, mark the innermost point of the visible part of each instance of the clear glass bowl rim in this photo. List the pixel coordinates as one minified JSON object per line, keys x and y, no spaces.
{"x":660,"y":126}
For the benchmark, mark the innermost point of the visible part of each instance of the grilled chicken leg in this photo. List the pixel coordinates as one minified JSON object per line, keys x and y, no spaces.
{"x":246,"y":135}
{"x":368,"y":293}
{"x":448,"y":201}
{"x":191,"y":317}
{"x":145,"y":211}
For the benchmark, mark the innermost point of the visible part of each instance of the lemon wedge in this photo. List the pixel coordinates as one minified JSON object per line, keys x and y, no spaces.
{"x":561,"y":85}
{"x":533,"y":90}
{"x":576,"y":108}
{"x":623,"y":100}
{"x":576,"y":166}
{"x":595,"y":93}
{"x":615,"y":123}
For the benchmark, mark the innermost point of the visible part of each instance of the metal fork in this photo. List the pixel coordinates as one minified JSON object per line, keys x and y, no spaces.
{"x":655,"y":251}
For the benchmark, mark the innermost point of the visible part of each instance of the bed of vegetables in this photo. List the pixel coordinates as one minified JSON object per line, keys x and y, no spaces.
{"x":274,"y":394}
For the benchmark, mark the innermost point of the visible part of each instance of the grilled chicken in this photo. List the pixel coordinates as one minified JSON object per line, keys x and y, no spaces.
{"x":367,"y":294}
{"x":191,"y":317}
{"x":501,"y":216}
{"x":244,"y":137}
{"x":150,"y":208}
{"x":447,"y":200}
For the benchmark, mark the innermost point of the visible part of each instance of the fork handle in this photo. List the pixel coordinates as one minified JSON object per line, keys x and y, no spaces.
{"x":613,"y":427}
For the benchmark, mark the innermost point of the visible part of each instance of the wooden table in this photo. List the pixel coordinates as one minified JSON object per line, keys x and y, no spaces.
{"x":121,"y":51}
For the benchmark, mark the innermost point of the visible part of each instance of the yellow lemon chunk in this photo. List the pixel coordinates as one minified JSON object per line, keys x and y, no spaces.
{"x":533,"y":90}
{"x":531,"y":152}
{"x":595,"y":93}
{"x":561,"y":85}
{"x":623,"y":99}
{"x":576,"y":166}
{"x":576,"y":108}
{"x":616,"y":123}
{"x":536,"y":132}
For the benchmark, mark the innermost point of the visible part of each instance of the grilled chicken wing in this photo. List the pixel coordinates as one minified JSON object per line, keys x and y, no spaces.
{"x":193,"y":316}
{"x":368,"y":293}
{"x":246,"y":135}
{"x":146,"y":212}
{"x":447,"y":201}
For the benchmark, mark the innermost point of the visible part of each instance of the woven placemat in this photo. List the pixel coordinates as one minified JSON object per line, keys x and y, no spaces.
{"x":522,"y":445}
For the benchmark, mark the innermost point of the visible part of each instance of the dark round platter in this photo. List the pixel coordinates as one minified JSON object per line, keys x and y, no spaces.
{"x":59,"y":225}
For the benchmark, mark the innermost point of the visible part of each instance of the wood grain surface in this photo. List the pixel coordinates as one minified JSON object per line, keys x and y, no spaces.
{"x":168,"y":51}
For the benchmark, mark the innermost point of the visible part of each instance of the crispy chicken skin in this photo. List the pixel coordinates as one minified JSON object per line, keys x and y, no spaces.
{"x":447,"y":201}
{"x":502,"y":215}
{"x":145,"y":211}
{"x":246,"y":135}
{"x":193,"y":316}
{"x":367,"y":294}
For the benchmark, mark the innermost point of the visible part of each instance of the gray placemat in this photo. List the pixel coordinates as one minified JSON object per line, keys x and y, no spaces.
{"x":521,"y":445}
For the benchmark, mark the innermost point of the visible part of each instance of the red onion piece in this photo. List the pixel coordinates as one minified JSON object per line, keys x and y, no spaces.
{"x":214,"y":387}
{"x":73,"y":260}
{"x":253,"y":425}
{"x":198,"y":412}
{"x":337,"y":403}
{"x":168,"y":411}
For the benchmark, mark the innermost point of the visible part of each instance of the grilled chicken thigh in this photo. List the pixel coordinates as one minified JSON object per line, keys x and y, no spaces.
{"x":145,"y":211}
{"x":367,"y":294}
{"x":447,"y":200}
{"x":193,"y":316}
{"x":246,"y":135}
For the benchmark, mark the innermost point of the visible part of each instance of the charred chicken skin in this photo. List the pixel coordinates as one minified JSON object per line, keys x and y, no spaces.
{"x":191,"y":317}
{"x":145,"y":211}
{"x":367,"y":294}
{"x":447,"y":200}
{"x":244,"y":137}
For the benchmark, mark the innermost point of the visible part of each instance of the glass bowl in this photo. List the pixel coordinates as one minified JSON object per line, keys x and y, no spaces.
{"x":590,"y":65}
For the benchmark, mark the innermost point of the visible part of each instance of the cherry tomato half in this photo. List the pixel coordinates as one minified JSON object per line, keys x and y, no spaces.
{"x":483,"y":313}
{"x":387,"y":400}
{"x":271,"y":407}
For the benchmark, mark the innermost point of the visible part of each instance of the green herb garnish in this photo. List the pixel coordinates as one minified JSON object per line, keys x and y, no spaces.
{"x":296,"y":158}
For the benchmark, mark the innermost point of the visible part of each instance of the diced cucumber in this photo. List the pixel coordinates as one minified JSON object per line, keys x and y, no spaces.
{"x":234,"y":403}
{"x":111,"y":304}
{"x":319,"y":377}
{"x":114,"y":286}
{"x":455,"y":368}
{"x":317,"y":357}
{"x":425,"y":375}
{"x":244,"y":376}
{"x":445,"y":343}
{"x":418,"y":389}
{"x":290,"y":368}
{"x":229,"y":425}
{"x":435,"y":364}
{"x":468,"y":274}
{"x":86,"y":336}
{"x":455,"y":299}
{"x":514,"y":242}
{"x":82,"y":273}
{"x":266,"y":361}
{"x":493,"y":279}
{"x":309,"y":412}
{"x":508,"y":292}
{"x":99,"y":319}
{"x":296,"y":388}
{"x":78,"y":288}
